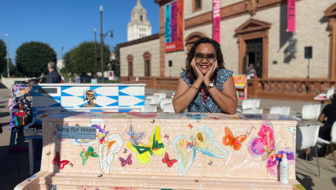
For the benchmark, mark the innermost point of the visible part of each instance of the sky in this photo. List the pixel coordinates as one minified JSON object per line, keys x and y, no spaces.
{"x":67,"y":23}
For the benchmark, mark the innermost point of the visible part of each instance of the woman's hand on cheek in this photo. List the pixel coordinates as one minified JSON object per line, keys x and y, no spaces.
{"x":208,"y":76}
{"x":197,"y":72}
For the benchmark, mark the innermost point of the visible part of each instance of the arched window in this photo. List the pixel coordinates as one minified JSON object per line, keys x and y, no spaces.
{"x":140,"y":17}
{"x":192,"y":38}
{"x":147,"y":64}
{"x":130,"y":65}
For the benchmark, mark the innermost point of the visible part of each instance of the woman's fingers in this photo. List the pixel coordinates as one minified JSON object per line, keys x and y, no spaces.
{"x":195,"y":68}
{"x":207,"y":77}
{"x":214,"y":66}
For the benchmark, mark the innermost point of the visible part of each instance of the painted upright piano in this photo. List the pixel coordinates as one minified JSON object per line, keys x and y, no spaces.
{"x":137,"y":150}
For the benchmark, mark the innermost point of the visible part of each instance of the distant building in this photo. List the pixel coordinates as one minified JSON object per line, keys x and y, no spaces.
{"x":138,"y":27}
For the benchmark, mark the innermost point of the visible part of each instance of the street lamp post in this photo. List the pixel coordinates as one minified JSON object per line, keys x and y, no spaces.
{"x":7,"y":55}
{"x":95,"y":38}
{"x":102,"y":36}
{"x":101,"y":43}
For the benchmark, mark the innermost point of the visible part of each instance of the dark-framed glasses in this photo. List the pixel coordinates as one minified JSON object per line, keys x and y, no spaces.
{"x":211,"y":57}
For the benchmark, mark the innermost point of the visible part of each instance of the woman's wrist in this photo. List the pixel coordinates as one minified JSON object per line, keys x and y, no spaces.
{"x":196,"y":84}
{"x":206,"y":82}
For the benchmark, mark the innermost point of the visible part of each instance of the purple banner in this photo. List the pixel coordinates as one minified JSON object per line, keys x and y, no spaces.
{"x":174,"y":21}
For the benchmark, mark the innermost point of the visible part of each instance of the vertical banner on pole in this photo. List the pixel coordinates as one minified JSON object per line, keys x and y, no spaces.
{"x":167,"y":23}
{"x":180,"y":26}
{"x":291,"y":15}
{"x":173,"y":21}
{"x":174,"y":26}
{"x":216,"y":17}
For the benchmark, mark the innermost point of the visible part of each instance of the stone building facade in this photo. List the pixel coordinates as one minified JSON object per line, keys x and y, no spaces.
{"x":251,"y":32}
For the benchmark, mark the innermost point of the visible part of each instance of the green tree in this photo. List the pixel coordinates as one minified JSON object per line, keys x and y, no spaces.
{"x":116,"y":61}
{"x":32,"y":58}
{"x":81,"y":59}
{"x":3,"y":52}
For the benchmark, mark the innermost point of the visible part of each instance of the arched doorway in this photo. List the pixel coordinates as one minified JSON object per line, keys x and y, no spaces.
{"x":192,"y":38}
{"x":147,"y":64}
{"x":253,"y":47}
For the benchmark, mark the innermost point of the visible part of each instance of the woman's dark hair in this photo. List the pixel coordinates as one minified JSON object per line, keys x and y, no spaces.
{"x":333,"y":98}
{"x":191,"y":54}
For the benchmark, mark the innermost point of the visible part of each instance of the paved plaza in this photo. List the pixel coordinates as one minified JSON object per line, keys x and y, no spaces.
{"x":14,"y":166}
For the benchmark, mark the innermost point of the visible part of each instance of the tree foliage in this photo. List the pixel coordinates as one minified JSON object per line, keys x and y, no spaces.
{"x":3,"y":52}
{"x":81,"y":59}
{"x":116,"y":61}
{"x":32,"y":58}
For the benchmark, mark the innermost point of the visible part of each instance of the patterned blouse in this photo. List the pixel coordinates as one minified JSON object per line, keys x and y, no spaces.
{"x":210,"y":106}
{"x":26,"y":102}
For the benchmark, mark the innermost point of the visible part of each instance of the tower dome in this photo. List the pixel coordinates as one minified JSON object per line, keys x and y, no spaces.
{"x":138,"y":27}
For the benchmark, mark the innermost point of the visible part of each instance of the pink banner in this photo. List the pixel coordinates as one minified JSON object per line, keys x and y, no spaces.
{"x":291,"y":15}
{"x":216,"y":17}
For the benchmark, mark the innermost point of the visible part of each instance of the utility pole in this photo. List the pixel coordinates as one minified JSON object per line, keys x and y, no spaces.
{"x":7,"y":55}
{"x":95,"y":40}
{"x":101,"y":44}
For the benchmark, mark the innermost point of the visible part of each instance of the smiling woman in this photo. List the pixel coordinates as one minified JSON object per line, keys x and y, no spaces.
{"x":205,"y":85}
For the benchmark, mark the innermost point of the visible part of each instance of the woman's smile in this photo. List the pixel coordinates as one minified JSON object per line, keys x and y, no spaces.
{"x":204,"y":68}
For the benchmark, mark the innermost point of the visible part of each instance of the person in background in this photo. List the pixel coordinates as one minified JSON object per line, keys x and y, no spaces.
{"x":26,"y":102}
{"x":77,"y":78}
{"x":251,"y":72}
{"x":53,"y":76}
{"x":328,"y":118}
{"x":205,"y":85}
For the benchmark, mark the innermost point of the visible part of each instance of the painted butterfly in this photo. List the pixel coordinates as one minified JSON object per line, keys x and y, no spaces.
{"x":128,"y":160}
{"x":203,"y":141}
{"x":167,"y":161}
{"x":134,"y":137}
{"x":155,"y":146}
{"x":58,"y":162}
{"x":264,"y":145}
{"x":210,"y":163}
{"x":166,"y":136}
{"x":85,"y":154}
{"x":235,"y":142}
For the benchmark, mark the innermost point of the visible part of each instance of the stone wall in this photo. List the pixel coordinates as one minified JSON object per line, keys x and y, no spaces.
{"x":137,"y":51}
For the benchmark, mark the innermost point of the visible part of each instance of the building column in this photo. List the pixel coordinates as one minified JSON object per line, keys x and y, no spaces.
{"x":332,"y":55}
{"x":162,"y":42}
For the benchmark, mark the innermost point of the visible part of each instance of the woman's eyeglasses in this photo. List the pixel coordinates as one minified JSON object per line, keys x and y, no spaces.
{"x":209,"y":57}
